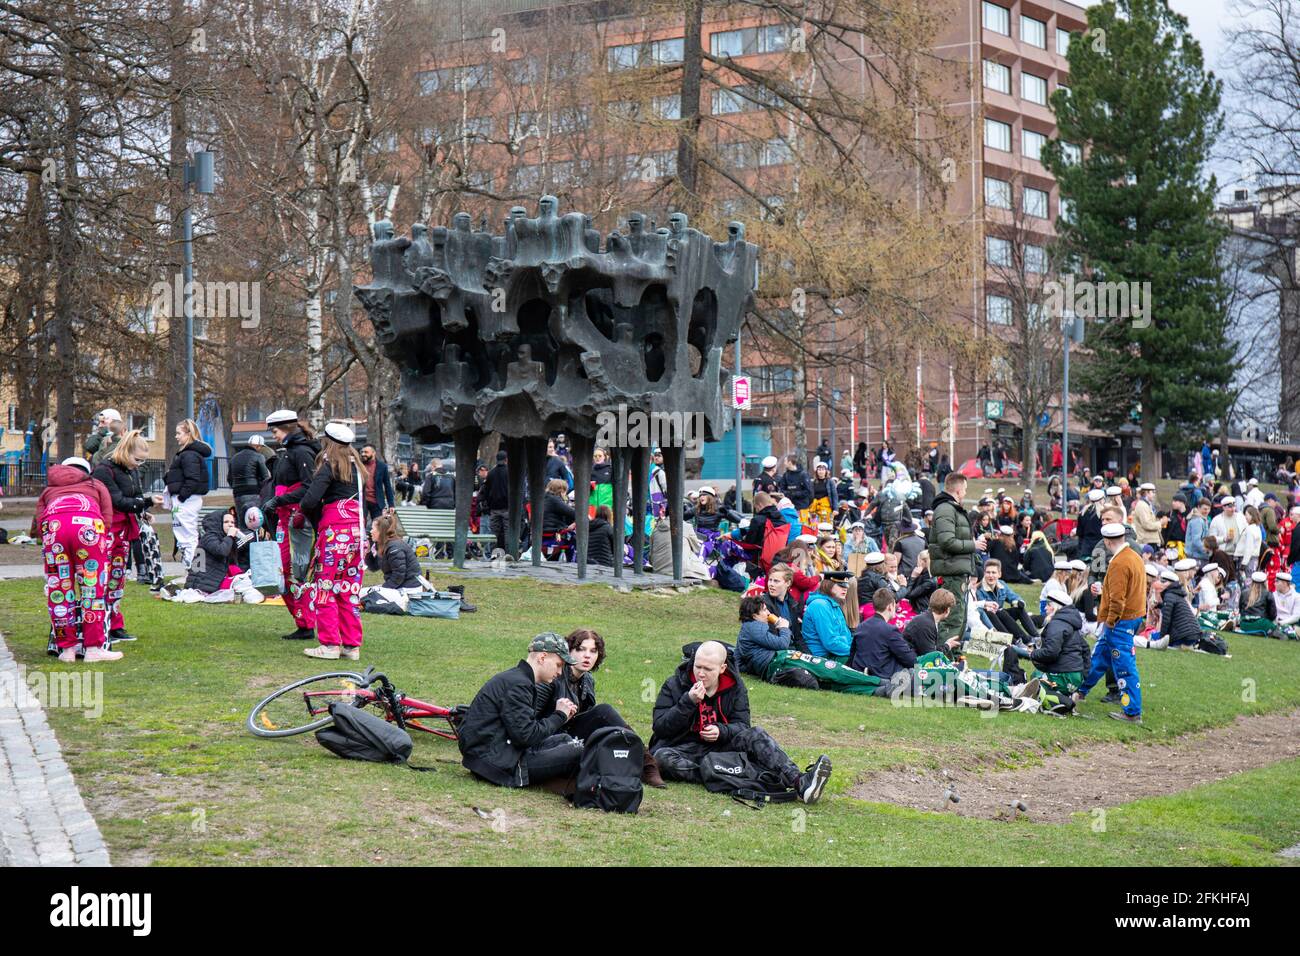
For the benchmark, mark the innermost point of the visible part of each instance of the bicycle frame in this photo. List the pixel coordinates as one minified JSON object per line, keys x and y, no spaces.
{"x":406,"y":712}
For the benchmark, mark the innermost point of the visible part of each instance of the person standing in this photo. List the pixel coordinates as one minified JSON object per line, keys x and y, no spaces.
{"x":379,"y":485}
{"x":289,"y":476}
{"x":496,"y":498}
{"x":102,"y":431}
{"x":72,"y":517}
{"x":187,"y":483}
{"x":767,"y":481}
{"x":796,"y":485}
{"x":1123,"y":605}
{"x":333,"y":502}
{"x":952,"y":549}
{"x":120,"y":474}
{"x":248,"y":473}
{"x":102,"y":444}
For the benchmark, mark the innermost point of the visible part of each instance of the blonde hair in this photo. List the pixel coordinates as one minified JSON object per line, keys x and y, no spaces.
{"x":557,"y":486}
{"x":191,"y":429}
{"x":386,"y":530}
{"x":341,"y":459}
{"x":129,"y":441}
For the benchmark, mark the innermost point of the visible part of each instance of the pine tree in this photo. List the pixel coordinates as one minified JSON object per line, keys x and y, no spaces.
{"x":1146,"y":114}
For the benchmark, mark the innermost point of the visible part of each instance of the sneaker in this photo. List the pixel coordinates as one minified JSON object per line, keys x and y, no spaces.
{"x":119,"y":635}
{"x":813,"y":780}
{"x":1111,"y":698}
{"x":326,"y":652}
{"x":1028,"y":689}
{"x":350,"y":653}
{"x":95,"y":655}
{"x":69,"y":656}
{"x":301,"y":634}
{"x":1120,"y":715}
{"x":1158,"y":643}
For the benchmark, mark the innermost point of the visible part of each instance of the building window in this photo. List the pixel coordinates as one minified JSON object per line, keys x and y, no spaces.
{"x":742,"y":154}
{"x":998,"y":308}
{"x":776,"y":152}
{"x":1033,"y":32}
{"x":472,"y":77}
{"x":997,"y":135}
{"x":772,"y":378}
{"x":142,"y":320}
{"x":138,"y":420}
{"x":527,"y":178}
{"x":651,"y":166}
{"x":1035,"y":259}
{"x":997,"y":193}
{"x":479,"y":180}
{"x":997,"y":19}
{"x":1065,"y":209}
{"x":1033,"y":88}
{"x":1071,"y":153}
{"x":624,"y":57}
{"x":1063,"y":42}
{"x":569,"y":119}
{"x":1035,"y":202}
{"x":629,"y":56}
{"x":997,"y":251}
{"x":997,"y":77}
{"x":743,"y":99}
{"x":733,"y":43}
{"x":1031,"y":144}
{"x":668,"y":107}
{"x":385,"y":142}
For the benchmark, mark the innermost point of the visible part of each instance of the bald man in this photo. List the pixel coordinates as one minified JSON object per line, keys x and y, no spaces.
{"x":703,"y":707}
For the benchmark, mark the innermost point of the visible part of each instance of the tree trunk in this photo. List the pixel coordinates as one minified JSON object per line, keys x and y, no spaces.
{"x":692,"y":66}
{"x":66,"y":256}
{"x":1028,"y":451}
{"x":800,"y":408}
{"x":178,"y":150}
{"x":1150,"y":457}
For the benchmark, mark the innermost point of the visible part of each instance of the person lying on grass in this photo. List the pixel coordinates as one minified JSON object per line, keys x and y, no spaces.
{"x":764,"y":650}
{"x":577,"y":683}
{"x":703,"y":707}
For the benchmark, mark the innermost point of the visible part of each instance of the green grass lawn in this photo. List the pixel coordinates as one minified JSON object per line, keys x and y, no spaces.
{"x":173,"y":777}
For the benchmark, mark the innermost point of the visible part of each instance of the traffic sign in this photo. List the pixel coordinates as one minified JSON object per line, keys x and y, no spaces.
{"x":740,"y":393}
{"x":993,"y":409}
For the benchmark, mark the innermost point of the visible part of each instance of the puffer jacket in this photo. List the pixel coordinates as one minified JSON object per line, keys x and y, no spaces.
{"x":757,"y":645}
{"x":1177,"y":619}
{"x":676,"y":715}
{"x":294,"y":465}
{"x":248,"y":472}
{"x":125,"y":492}
{"x":399,"y":564}
{"x":217,"y":551}
{"x":66,"y":481}
{"x":188,"y":473}
{"x":825,"y":632}
{"x":1063,"y":648}
{"x":952,"y":546}
{"x":600,"y":543}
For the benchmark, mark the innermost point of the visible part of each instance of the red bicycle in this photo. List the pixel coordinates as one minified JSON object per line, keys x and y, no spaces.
{"x":304,"y":705}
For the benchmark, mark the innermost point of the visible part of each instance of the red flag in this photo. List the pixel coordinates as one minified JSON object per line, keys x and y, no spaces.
{"x":920,"y":405}
{"x":952,"y":392}
{"x":884,"y":392}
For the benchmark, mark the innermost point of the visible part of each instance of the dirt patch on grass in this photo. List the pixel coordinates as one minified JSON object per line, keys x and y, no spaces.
{"x":1100,"y":775}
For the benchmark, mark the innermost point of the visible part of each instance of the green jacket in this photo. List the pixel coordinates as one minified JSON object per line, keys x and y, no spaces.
{"x":1268,"y":518}
{"x":94,"y":439}
{"x":951,"y":544}
{"x":105,"y":448}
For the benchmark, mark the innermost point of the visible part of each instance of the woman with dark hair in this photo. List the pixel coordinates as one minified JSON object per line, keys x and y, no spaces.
{"x":600,"y":538}
{"x":292,"y":469}
{"x":578,"y":685}
{"x":1003,"y":548}
{"x":333,"y":503}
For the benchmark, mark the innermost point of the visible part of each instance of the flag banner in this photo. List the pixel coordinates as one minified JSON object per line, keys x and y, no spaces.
{"x":920,"y":405}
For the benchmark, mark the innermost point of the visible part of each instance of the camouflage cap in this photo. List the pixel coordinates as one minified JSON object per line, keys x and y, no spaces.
{"x":552,"y":643}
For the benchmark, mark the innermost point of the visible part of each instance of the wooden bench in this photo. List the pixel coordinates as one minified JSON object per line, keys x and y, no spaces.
{"x":436,"y":524}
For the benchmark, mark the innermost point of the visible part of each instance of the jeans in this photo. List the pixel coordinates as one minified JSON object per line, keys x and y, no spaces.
{"x":682,"y":761}
{"x":1114,"y":651}
{"x":585,"y":724}
{"x":556,"y":756}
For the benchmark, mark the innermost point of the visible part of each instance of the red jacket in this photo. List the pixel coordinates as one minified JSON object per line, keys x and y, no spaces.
{"x":70,"y":480}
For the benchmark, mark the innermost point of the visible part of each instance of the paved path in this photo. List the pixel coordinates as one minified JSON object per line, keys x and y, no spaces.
{"x":43,"y":821}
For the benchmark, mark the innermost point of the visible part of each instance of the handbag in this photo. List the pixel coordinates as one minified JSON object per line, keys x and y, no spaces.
{"x":438,"y":604}
{"x":264,"y":567}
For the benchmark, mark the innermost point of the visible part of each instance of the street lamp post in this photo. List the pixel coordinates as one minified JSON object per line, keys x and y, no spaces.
{"x":198,"y":173}
{"x":1071,"y":331}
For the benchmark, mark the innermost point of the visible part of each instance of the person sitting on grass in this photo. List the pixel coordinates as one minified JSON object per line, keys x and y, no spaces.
{"x":577,"y":683}
{"x":1257,"y":611}
{"x":781,"y":602}
{"x":1287,"y":600}
{"x":1061,"y":658}
{"x":221,"y":555}
{"x":922,"y":631}
{"x":761,"y":644}
{"x":1001,"y":608}
{"x":503,"y":741}
{"x":879,"y":648}
{"x":825,"y":629}
{"x":872,"y":578}
{"x":703,"y":707}
{"x":1178,"y":624}
{"x":392,"y":555}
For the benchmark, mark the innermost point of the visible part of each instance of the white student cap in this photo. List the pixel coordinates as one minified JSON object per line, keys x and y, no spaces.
{"x":1146,"y":486}
{"x":1114,"y":491}
{"x":1167,"y":574}
{"x":1153,"y":570}
{"x":1096,"y":494}
{"x":807,"y":539}
{"x":708,"y":490}
{"x":856,"y":524}
{"x":255,"y":440}
{"x":1253,"y":481}
{"x":76,"y":461}
{"x":1228,"y":500}
{"x":112,"y":414}
{"x":1259,"y":577}
{"x":1186,"y":564}
{"x":337,"y":431}
{"x":826,"y":526}
{"x":1211,"y":567}
{"x":283,"y":416}
{"x":1078,"y":565}
{"x":1283,"y":576}
{"x":1059,"y":597}
{"x":861,"y":493}
{"x":1061,"y":564}
{"x":1006,"y":529}
{"x":769,"y":462}
{"x":875,"y":557}
{"x":1112,"y":530}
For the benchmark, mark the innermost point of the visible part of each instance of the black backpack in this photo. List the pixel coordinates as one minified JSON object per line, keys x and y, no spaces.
{"x":358,"y":735}
{"x":609,"y":777}
{"x":737,"y":775}
{"x":1212,"y":643}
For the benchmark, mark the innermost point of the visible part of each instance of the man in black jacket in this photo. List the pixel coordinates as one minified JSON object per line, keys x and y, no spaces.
{"x":496,"y":498}
{"x":922,"y":631}
{"x":1062,"y":656}
{"x":248,"y":473}
{"x":703,"y":707}
{"x":796,"y":485}
{"x":503,"y":740}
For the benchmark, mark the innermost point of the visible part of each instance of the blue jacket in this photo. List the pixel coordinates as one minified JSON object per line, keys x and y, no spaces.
{"x":1197,"y":529}
{"x":1003,"y":596}
{"x":758,"y":644}
{"x":384,"y":497}
{"x":879,"y":648}
{"x":825,"y":631}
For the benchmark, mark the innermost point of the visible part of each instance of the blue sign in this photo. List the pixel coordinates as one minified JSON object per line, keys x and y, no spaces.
{"x":1044,"y":420}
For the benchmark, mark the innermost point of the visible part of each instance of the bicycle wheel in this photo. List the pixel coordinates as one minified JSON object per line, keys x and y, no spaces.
{"x":304,"y":705}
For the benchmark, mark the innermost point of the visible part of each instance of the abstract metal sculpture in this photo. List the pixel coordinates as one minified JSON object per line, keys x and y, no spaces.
{"x":539,"y":329}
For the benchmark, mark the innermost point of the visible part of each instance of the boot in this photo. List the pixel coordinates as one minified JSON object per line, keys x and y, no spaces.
{"x":301,"y":634}
{"x":119,"y":635}
{"x":650,"y":774}
{"x":459,"y":589}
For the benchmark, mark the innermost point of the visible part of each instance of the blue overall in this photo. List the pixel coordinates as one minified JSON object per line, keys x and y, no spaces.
{"x":1114,"y":651}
